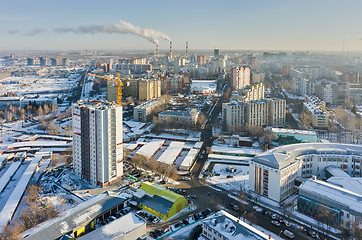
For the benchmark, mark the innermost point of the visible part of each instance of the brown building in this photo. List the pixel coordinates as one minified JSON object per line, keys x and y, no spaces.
{"x":286,"y":70}
{"x":352,"y":77}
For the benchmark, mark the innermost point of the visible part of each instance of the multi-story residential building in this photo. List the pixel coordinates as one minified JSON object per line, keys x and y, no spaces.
{"x":173,"y":83}
{"x":316,"y":101}
{"x":343,"y":207}
{"x":272,"y":173}
{"x":97,"y":141}
{"x":257,"y":77}
{"x":224,"y":226}
{"x":144,"y":112}
{"x":240,"y":77}
{"x":351,"y":77}
{"x":332,"y":92}
{"x":201,"y":59}
{"x":265,"y":112}
{"x":286,"y":70}
{"x":319,"y":119}
{"x":30,"y":61}
{"x":249,"y":93}
{"x":149,"y":88}
{"x":302,"y":86}
{"x":187,"y":118}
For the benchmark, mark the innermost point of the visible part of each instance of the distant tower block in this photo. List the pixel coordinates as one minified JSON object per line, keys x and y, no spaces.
{"x":216,"y":52}
{"x":187,"y":49}
{"x":170,"y":49}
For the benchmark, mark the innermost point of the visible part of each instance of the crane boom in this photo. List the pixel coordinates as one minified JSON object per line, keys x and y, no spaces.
{"x":119,"y":85}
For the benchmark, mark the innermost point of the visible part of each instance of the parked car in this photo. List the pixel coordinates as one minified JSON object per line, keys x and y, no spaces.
{"x":257,"y":209}
{"x":156,"y":220}
{"x":288,"y":234}
{"x":275,"y":216}
{"x":276,"y":223}
{"x":186,"y":178}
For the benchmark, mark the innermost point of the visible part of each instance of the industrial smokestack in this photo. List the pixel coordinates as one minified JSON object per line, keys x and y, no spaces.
{"x":121,"y":28}
{"x":156,"y":50}
{"x":187,"y":49}
{"x":170,"y":49}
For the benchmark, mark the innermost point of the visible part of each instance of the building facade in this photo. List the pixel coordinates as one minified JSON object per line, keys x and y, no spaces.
{"x":149,"y":89}
{"x":97,"y":141}
{"x":266,"y":112}
{"x":342,"y":207}
{"x":277,"y":169}
{"x":144,"y":112}
{"x":240,"y":77}
{"x":319,"y":118}
{"x":179,"y":117}
{"x":351,"y":77}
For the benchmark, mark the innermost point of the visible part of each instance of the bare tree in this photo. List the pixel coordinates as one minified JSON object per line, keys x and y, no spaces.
{"x":305,"y":119}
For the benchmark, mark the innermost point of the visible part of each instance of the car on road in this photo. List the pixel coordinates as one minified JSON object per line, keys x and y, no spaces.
{"x":275,"y":216}
{"x":186,"y":178}
{"x":156,"y":220}
{"x":191,"y":196}
{"x":234,"y":207}
{"x":276,"y":223}
{"x":286,"y":222}
{"x":288,"y":234}
{"x":257,"y":209}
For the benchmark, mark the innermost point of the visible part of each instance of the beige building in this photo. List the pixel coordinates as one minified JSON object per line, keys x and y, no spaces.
{"x":319,"y":119}
{"x":144,"y":112}
{"x":316,"y":101}
{"x":240,"y":77}
{"x":179,"y":117}
{"x":249,"y":93}
{"x":148,"y":89}
{"x":265,"y":112}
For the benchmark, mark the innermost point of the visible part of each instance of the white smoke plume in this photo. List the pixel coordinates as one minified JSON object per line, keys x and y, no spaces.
{"x":121,"y":28}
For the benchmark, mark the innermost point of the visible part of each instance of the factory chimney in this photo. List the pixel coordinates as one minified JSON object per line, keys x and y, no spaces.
{"x":170,"y":49}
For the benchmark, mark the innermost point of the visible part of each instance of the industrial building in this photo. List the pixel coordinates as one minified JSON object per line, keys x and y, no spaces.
{"x":80,"y":220}
{"x":272,"y":173}
{"x":159,"y":201}
{"x":97,"y":141}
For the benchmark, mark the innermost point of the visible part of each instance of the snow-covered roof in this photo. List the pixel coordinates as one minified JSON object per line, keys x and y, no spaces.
{"x":353,"y":184}
{"x":242,"y":151}
{"x":337,"y":172}
{"x":332,"y":195}
{"x":233,"y":228}
{"x":171,"y":153}
{"x":11,"y":204}
{"x":189,"y":159}
{"x":76,"y":217}
{"x":149,"y":149}
{"x":9,"y":172}
{"x":283,"y":156}
{"x":39,"y":143}
{"x":119,"y":227}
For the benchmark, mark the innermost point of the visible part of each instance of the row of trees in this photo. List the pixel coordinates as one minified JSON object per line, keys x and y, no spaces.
{"x":30,"y":216}
{"x":162,"y":169}
{"x":32,"y":110}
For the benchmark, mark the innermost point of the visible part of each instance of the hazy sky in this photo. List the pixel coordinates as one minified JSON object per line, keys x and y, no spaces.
{"x":226,"y":24}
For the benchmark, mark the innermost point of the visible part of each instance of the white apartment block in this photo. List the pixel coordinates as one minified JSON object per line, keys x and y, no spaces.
{"x":143,"y":112}
{"x":240,"y":77}
{"x":249,"y":93}
{"x":272,"y":173}
{"x":265,"y":112}
{"x":97,"y":141}
{"x":319,"y":119}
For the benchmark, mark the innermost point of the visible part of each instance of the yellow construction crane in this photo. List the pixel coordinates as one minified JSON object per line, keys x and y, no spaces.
{"x":119,"y":85}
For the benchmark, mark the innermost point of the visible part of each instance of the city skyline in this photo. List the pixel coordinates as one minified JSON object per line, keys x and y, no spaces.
{"x":242,"y":25}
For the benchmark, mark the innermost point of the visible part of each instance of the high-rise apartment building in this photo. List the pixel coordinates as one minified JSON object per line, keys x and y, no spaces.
{"x":148,"y":89}
{"x":240,"y":77}
{"x":97,"y":141}
{"x":265,"y":112}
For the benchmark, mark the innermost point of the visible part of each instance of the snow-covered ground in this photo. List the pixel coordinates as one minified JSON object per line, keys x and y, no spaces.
{"x":239,"y":180}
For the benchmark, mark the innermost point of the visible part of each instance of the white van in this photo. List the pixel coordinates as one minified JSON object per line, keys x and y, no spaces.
{"x":288,"y":234}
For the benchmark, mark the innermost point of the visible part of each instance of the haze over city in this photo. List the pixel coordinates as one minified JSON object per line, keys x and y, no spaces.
{"x":258,"y":25}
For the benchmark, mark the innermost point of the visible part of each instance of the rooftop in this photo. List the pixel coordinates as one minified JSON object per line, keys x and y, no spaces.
{"x":283,"y":156}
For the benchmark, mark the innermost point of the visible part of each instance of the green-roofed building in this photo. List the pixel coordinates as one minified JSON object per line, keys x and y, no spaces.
{"x":159,"y":201}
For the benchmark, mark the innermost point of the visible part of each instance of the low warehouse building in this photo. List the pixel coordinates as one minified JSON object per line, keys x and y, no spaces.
{"x":159,"y":201}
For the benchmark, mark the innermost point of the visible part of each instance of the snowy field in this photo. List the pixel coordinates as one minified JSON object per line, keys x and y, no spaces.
{"x":239,"y":180}
{"x":37,"y":84}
